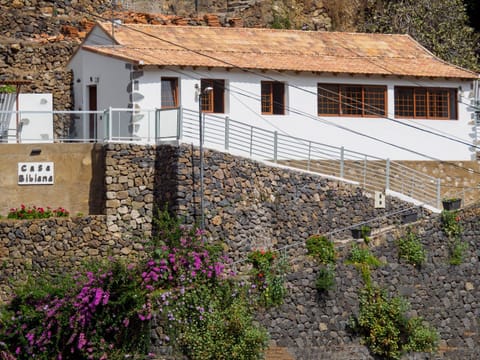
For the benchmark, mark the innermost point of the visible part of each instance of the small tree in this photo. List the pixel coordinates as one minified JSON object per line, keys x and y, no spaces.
{"x":441,"y":26}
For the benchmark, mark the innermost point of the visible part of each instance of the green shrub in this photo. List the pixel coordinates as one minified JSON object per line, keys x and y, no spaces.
{"x":411,"y":249}
{"x":385,"y":328}
{"x":361,"y":255}
{"x":7,"y":89}
{"x":457,"y":252}
{"x":451,"y":225}
{"x":323,"y":252}
{"x":363,"y":259}
{"x":268,"y":272}
{"x":325,"y":278}
{"x":214,"y":323}
{"x":104,"y":311}
{"x":321,"y":249}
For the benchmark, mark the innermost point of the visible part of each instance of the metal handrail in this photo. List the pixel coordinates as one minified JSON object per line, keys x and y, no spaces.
{"x":225,"y":134}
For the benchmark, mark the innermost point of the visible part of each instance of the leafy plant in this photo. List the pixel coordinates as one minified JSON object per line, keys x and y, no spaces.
{"x":281,"y":21}
{"x":7,"y":89}
{"x":321,"y":249}
{"x":104,"y":311}
{"x":363,"y":259}
{"x":365,"y":231}
{"x":325,"y":278}
{"x":411,"y":249}
{"x":89,"y":315}
{"x":451,"y":225}
{"x":457,"y":252}
{"x":440,"y":26}
{"x":268,"y":273}
{"x":385,"y":328}
{"x":361,"y":255}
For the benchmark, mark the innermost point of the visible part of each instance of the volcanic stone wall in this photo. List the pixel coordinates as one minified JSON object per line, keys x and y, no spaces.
{"x":315,"y":326}
{"x":249,"y":205}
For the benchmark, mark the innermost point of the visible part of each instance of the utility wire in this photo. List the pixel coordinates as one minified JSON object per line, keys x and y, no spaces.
{"x":323,"y":120}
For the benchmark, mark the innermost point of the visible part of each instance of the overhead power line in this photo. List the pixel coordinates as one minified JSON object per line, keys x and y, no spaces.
{"x":298,"y":112}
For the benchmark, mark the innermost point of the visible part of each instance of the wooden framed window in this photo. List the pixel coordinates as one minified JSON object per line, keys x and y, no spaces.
{"x":425,"y":103}
{"x":352,"y":100}
{"x":169,"y":92}
{"x":273,"y":97}
{"x":213,"y":101}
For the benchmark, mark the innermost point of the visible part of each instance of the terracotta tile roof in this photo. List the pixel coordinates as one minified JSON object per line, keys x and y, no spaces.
{"x":268,"y":49}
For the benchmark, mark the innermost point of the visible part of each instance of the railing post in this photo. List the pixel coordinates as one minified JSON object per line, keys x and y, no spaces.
{"x":365,"y":164}
{"x":439,"y":200}
{"x":110,"y":123}
{"x":275,"y":146}
{"x":387,"y":174}
{"x":157,"y":125}
{"x":149,"y":126}
{"x":227,"y":133}
{"x":342,"y":162}
{"x":251,"y":141}
{"x":180,"y":123}
{"x":309,"y":155}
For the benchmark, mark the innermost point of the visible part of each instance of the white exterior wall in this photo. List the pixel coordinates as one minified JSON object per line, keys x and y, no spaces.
{"x":112,"y":79}
{"x":301,"y":118}
{"x":35,"y":120}
{"x":242,"y":103}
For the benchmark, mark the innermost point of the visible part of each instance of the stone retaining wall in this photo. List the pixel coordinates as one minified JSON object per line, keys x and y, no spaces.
{"x":314,"y":326}
{"x":56,"y":245}
{"x":250,"y":204}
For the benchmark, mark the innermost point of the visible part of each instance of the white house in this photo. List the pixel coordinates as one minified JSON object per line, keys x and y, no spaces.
{"x":372,"y":93}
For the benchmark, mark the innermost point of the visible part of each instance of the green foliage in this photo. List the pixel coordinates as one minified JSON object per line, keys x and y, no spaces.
{"x":325,"y":278}
{"x":89,"y":315}
{"x":421,"y":337}
{"x":104,"y":311}
{"x":321,"y":249}
{"x":363,"y":255}
{"x":281,"y":22}
{"x":364,"y":260}
{"x":385,"y":328}
{"x":411,"y":249}
{"x":215,"y":323}
{"x":441,"y":26}
{"x":366,"y":230}
{"x":457,"y":251}
{"x":7,"y":89}
{"x":268,"y":272}
{"x":34,"y":212}
{"x":451,"y":225}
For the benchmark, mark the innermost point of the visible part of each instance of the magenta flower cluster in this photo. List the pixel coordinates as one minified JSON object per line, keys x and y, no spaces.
{"x":90,"y":320}
{"x":108,"y":310}
{"x":181,"y":264}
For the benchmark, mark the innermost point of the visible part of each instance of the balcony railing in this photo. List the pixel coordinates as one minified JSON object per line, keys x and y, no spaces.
{"x":224,"y":134}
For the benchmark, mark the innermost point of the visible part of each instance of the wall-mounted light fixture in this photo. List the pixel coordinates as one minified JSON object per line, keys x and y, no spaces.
{"x":35,"y":151}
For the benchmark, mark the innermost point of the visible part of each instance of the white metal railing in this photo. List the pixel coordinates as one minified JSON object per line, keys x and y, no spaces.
{"x":224,"y":134}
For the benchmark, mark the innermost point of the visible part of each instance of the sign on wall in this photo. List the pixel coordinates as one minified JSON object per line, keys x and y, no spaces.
{"x":35,"y":173}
